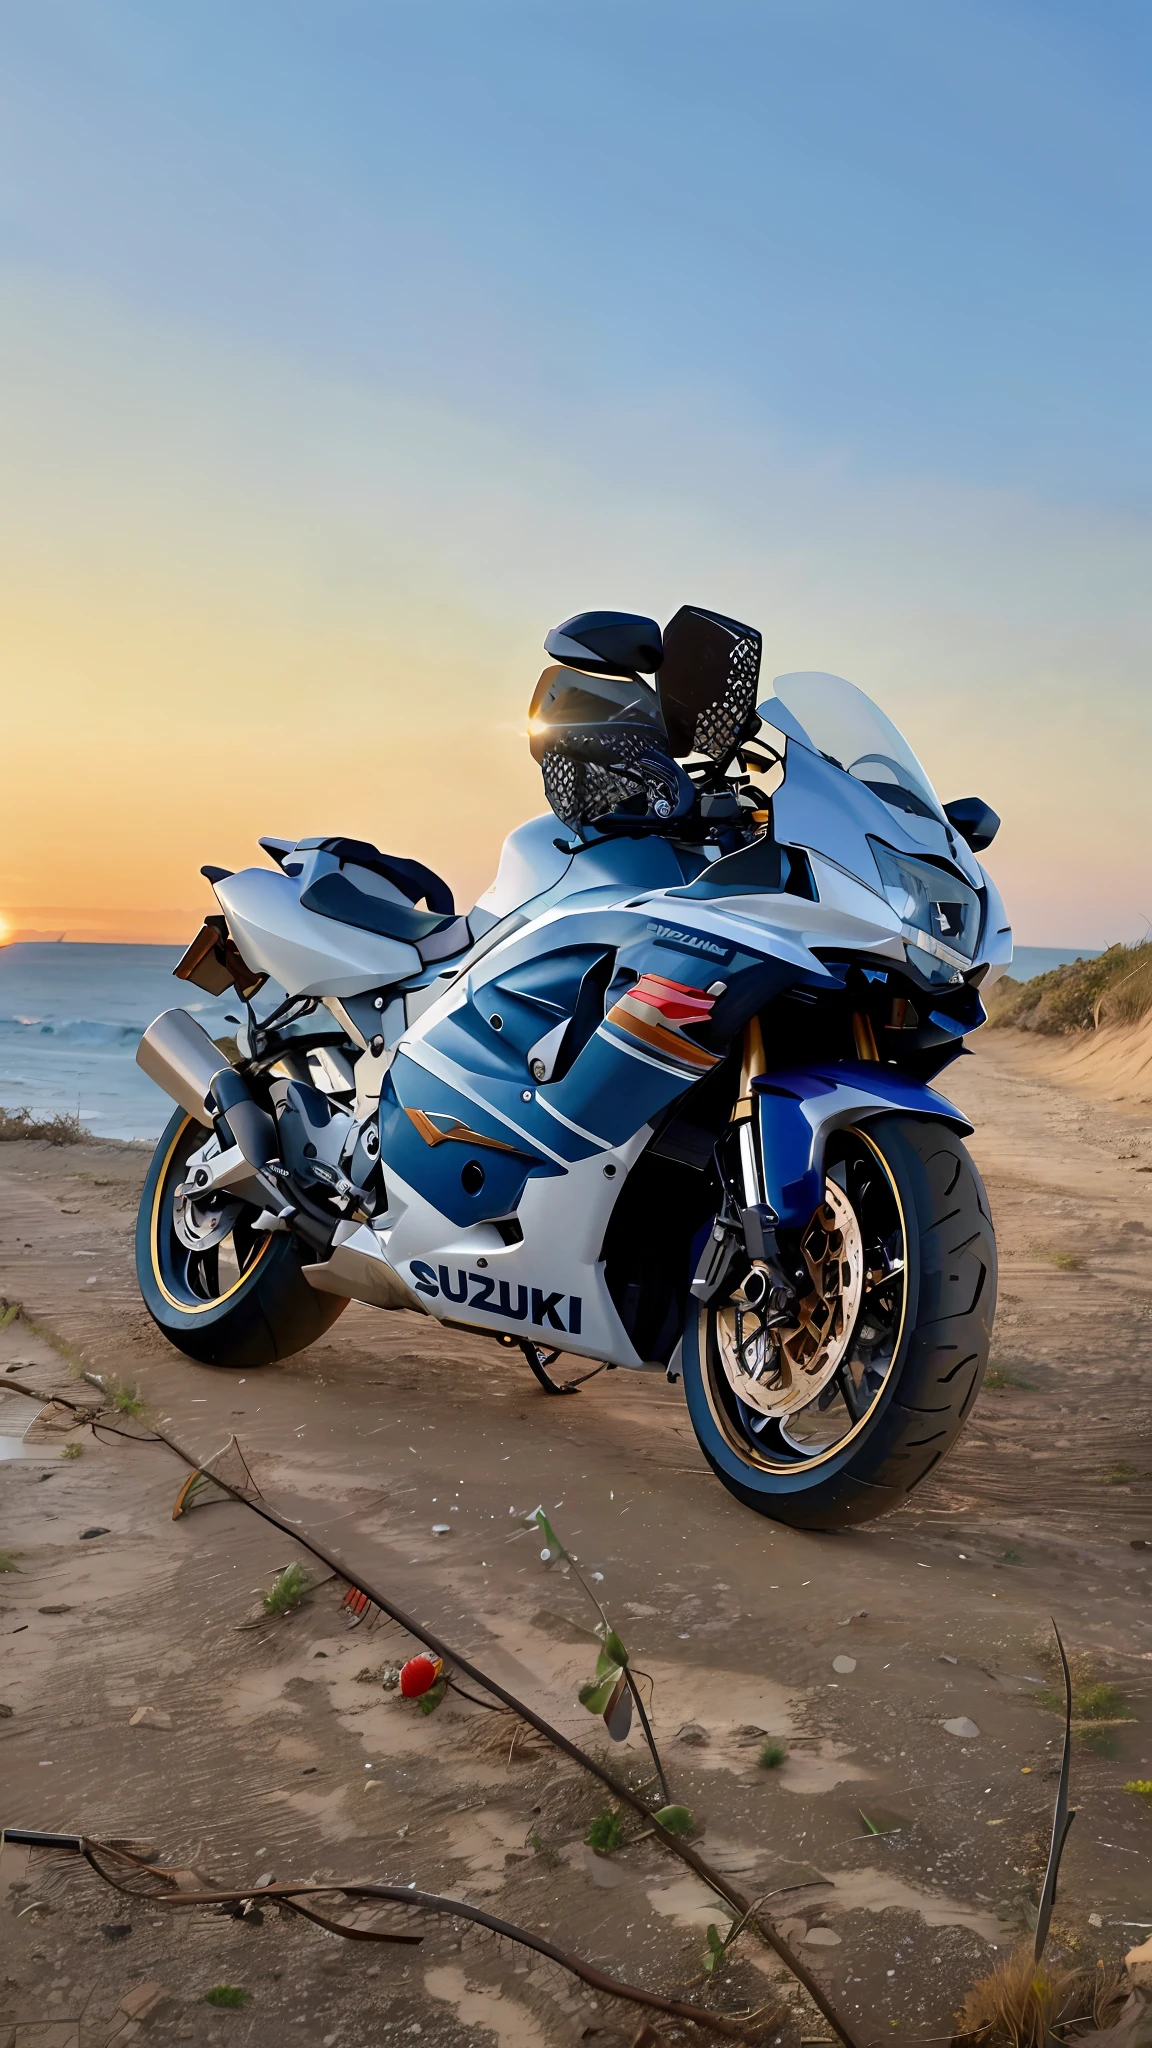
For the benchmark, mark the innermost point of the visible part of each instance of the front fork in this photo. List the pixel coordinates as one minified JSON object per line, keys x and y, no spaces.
{"x":742,"y":1245}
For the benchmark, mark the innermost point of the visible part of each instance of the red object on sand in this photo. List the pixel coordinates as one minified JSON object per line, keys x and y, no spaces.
{"x":418,"y":1676}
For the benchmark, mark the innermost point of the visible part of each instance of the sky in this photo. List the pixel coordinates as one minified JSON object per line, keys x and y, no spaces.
{"x":347,"y":346}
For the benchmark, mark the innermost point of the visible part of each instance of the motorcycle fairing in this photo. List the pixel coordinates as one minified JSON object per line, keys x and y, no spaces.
{"x":798,"y":1109}
{"x":819,"y":807}
{"x":467,"y":1163}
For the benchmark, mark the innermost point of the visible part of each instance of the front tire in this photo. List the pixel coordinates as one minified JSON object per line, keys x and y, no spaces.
{"x":238,"y":1298}
{"x":914,"y":1355}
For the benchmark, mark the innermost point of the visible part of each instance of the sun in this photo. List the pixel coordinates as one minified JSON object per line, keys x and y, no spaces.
{"x":5,"y":928}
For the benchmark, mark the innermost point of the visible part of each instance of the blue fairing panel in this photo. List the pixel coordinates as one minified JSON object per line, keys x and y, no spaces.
{"x":800,"y":1107}
{"x":425,"y":1155}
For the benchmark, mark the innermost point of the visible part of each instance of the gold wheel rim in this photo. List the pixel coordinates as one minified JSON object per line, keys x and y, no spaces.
{"x":737,"y":1440}
{"x":187,"y":1308}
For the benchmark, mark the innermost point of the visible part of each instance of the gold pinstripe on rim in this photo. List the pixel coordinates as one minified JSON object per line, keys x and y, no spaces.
{"x":185,"y":1307}
{"x":741,"y":1444}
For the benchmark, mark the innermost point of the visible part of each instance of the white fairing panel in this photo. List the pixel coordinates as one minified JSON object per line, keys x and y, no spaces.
{"x":308,"y":955}
{"x":462,"y":1275}
{"x":529,"y":863}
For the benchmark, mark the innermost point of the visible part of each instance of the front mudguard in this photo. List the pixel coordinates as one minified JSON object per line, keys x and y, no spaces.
{"x":797,"y":1109}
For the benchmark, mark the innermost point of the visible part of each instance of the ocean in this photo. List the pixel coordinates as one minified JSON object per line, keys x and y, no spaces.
{"x":70,"y":1021}
{"x":71,"y":1017}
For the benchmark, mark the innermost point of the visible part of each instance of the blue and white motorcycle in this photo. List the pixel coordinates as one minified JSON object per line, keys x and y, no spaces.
{"x":662,"y":1099}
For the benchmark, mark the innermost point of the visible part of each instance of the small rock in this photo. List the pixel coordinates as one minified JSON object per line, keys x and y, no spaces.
{"x":319,"y":1653}
{"x":1140,"y":1543}
{"x":1095,"y":1920}
{"x":119,"y":1931}
{"x":944,"y":1658}
{"x":961,"y":1726}
{"x":6,"y":1712}
{"x":86,"y":1533}
{"x":91,"y":1280}
{"x":844,"y":1665}
{"x":150,"y":1717}
{"x":54,"y":1610}
{"x":693,"y":1735}
{"x":821,"y":1937}
{"x":144,"y":2001}
{"x":441,"y":1529}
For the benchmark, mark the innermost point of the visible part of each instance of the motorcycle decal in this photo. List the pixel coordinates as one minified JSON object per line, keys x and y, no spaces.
{"x":656,"y":1011}
{"x":534,"y":1305}
{"x":429,"y":1122}
{"x":683,"y":941}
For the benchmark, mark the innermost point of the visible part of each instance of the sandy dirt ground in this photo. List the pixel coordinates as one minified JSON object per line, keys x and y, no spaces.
{"x":280,"y":1752}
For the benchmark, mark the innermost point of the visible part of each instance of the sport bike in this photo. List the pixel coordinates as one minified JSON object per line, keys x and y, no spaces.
{"x":663,"y":1099}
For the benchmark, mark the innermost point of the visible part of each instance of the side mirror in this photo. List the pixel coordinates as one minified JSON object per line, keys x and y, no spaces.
{"x":607,"y":643}
{"x":975,"y":821}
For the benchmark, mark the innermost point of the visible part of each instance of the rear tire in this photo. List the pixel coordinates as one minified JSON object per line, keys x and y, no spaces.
{"x":938,"y":1356}
{"x":244,"y":1302}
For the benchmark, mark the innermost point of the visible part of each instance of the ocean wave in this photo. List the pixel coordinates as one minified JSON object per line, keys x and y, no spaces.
{"x":70,"y":1031}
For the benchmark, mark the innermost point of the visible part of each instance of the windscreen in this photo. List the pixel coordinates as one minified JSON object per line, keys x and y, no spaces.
{"x":840,"y":722}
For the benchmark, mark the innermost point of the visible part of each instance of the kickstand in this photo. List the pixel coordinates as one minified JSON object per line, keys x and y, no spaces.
{"x":540,"y":1360}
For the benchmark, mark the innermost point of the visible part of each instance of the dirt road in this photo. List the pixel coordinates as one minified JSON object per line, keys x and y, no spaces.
{"x":284,"y":1754}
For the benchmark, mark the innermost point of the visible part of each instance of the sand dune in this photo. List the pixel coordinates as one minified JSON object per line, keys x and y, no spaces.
{"x":1113,"y":1064}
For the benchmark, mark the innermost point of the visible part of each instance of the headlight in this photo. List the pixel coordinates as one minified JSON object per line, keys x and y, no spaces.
{"x":942,"y":910}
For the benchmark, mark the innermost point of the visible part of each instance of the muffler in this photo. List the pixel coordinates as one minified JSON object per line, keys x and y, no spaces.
{"x":177,"y":1053}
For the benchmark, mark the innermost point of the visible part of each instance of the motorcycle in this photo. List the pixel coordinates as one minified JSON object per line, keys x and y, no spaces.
{"x":662,"y":1099}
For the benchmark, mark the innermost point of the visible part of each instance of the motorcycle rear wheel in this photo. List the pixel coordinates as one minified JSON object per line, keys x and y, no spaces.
{"x":913,"y":1355}
{"x":239,"y":1300}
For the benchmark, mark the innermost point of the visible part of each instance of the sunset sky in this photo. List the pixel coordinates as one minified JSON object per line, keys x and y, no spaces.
{"x":346,"y":346}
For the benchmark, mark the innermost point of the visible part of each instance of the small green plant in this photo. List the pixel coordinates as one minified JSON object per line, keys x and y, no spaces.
{"x":612,"y":1691}
{"x":772,"y":1755}
{"x":1120,"y":1474}
{"x":998,"y":1377}
{"x":72,"y":1451}
{"x":226,"y":1994}
{"x":1140,"y":1788}
{"x":606,"y":1833}
{"x":8,"y":1560}
{"x":549,"y":1857}
{"x":1012,"y":1556}
{"x":676,"y":1820}
{"x":288,"y":1589}
{"x":1067,"y":1262}
{"x":720,"y":1945}
{"x":125,"y":1400}
{"x":1099,"y":1702}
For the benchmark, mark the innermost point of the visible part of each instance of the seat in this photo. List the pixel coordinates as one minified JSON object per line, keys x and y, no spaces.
{"x":411,"y":877}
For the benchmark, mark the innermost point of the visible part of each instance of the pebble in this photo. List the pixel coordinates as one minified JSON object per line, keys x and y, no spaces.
{"x":843,"y":1665}
{"x":961,"y":1726}
{"x":693,"y":1734}
{"x":821,"y":1937}
{"x":86,"y":1533}
{"x":150,"y":1717}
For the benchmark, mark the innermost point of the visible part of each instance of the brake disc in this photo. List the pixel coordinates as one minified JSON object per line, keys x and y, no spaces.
{"x":778,"y":1370}
{"x":200,"y":1225}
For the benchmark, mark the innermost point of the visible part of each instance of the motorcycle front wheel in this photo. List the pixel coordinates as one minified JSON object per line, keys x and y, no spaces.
{"x":837,"y":1416}
{"x":221,"y":1291}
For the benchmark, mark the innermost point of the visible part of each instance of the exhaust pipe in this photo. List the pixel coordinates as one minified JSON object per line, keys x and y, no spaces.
{"x":179,"y":1056}
{"x":178,"y":1053}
